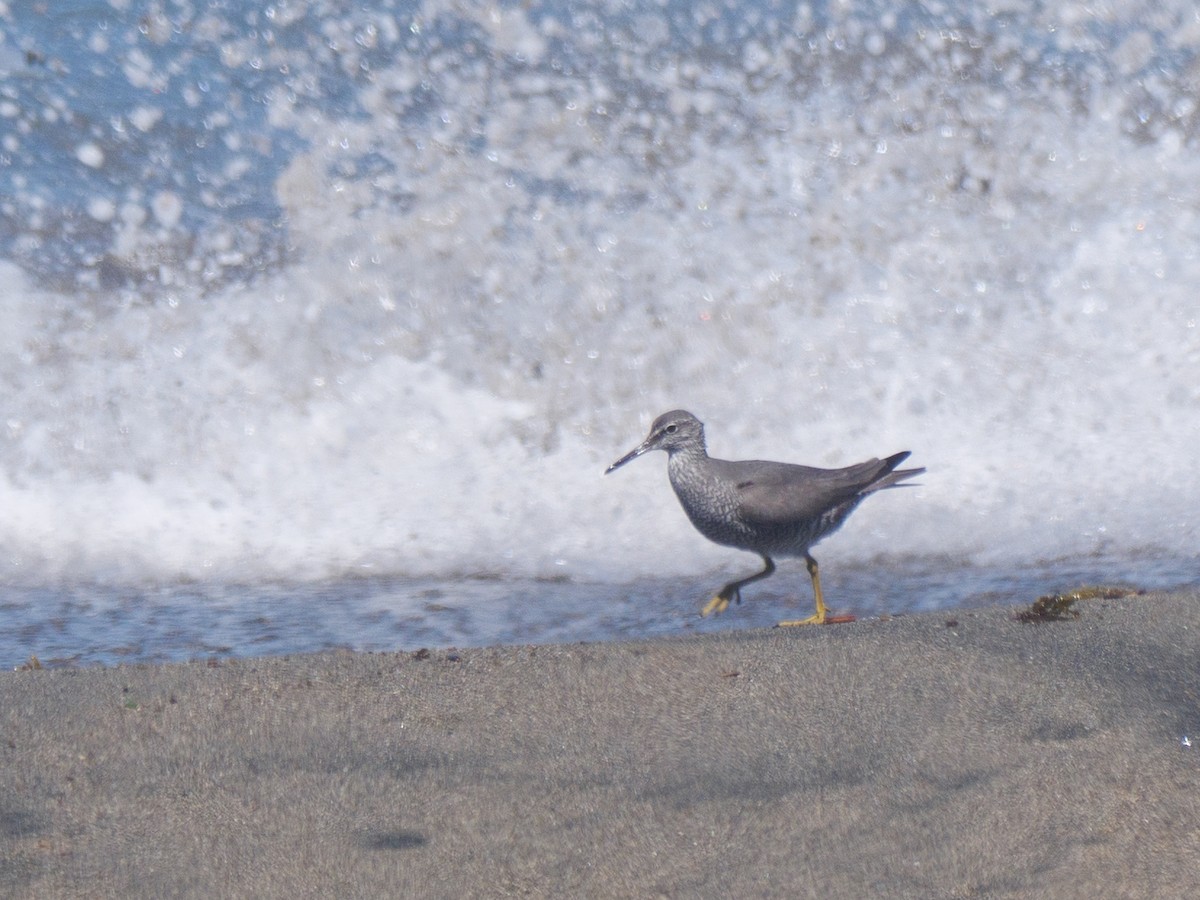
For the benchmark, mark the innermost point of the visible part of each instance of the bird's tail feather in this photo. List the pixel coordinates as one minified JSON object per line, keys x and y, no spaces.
{"x":893,"y":478}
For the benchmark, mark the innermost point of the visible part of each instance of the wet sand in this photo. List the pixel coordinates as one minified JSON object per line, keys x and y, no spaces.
{"x":957,"y":754}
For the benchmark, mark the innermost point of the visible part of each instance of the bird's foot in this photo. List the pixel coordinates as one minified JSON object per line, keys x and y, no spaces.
{"x":815,"y":619}
{"x":720,"y":603}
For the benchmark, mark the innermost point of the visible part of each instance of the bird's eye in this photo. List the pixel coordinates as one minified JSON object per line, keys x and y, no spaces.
{"x":671,"y":429}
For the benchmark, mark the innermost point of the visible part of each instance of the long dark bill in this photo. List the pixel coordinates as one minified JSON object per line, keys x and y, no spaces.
{"x":631,"y":455}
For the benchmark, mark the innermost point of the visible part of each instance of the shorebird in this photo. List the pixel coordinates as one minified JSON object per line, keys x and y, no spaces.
{"x":769,"y":508}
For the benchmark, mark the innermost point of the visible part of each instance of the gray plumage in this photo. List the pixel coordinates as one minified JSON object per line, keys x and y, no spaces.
{"x":769,"y":508}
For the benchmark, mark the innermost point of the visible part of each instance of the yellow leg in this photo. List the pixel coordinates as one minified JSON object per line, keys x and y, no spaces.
{"x":818,"y":618}
{"x":715,"y":606}
{"x":732,"y":592}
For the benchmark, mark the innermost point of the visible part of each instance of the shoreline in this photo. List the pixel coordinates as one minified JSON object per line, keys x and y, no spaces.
{"x":954,"y":753}
{"x":86,"y":625}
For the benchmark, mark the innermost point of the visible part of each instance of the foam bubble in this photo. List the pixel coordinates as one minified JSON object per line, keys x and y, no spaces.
{"x":102,"y":209}
{"x":145,"y":118}
{"x":167,"y":208}
{"x":90,"y":155}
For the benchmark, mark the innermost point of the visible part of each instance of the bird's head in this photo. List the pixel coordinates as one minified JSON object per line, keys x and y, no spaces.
{"x":672,"y":431}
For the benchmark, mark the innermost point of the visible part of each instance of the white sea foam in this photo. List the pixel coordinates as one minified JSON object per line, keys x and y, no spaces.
{"x":510,"y":248}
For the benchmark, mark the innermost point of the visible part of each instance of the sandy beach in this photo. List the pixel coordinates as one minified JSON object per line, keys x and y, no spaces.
{"x":956,"y":754}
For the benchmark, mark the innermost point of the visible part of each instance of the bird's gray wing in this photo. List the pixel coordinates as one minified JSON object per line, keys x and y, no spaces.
{"x":771,"y":493}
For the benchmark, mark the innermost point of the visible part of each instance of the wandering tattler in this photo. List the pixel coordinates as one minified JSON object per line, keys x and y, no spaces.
{"x":769,"y":508}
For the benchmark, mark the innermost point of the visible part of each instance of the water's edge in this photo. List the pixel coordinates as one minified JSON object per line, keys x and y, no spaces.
{"x":97,"y":625}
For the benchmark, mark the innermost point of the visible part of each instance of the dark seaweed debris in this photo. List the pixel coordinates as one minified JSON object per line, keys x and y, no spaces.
{"x":1060,"y":607}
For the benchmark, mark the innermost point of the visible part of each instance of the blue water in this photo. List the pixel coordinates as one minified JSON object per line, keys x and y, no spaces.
{"x":101,"y":624}
{"x":321,"y":325}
